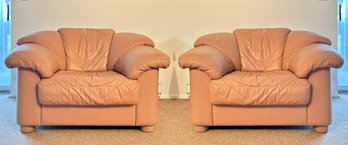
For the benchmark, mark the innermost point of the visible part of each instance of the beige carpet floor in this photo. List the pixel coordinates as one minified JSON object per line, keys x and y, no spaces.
{"x":174,"y":128}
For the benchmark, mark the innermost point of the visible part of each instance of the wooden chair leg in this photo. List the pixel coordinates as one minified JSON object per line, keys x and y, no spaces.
{"x":201,"y":129}
{"x":320,"y":129}
{"x":148,"y":129}
{"x":27,"y":129}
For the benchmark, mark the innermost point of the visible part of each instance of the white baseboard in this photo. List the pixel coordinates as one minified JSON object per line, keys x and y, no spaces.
{"x":335,"y":96}
{"x":11,"y":96}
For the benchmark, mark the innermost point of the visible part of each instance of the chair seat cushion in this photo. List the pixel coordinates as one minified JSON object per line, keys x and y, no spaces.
{"x":88,"y":88}
{"x":260,"y":88}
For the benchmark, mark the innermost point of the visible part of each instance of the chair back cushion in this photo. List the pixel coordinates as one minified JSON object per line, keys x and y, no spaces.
{"x":86,"y":49}
{"x":261,"y":49}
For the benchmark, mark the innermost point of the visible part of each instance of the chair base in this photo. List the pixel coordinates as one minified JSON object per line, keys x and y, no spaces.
{"x":148,"y":129}
{"x":320,"y":129}
{"x":201,"y":129}
{"x":27,"y":129}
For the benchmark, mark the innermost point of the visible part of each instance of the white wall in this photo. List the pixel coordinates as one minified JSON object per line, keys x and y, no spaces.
{"x":174,"y":24}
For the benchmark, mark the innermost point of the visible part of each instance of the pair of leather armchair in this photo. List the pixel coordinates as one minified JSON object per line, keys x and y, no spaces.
{"x":99,"y":77}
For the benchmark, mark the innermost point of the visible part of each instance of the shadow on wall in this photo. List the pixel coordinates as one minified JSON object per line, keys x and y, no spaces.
{"x":174,"y":92}
{"x":170,"y":77}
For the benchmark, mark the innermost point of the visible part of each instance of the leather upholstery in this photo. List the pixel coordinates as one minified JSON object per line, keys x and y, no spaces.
{"x":28,"y":106}
{"x":296,"y":41}
{"x":146,"y":108}
{"x":50,"y":40}
{"x":86,"y":49}
{"x":35,"y":57}
{"x":88,"y":88}
{"x":261,"y":49}
{"x":91,"y":115}
{"x":313,"y":57}
{"x":225,"y":42}
{"x":123,"y":41}
{"x":284,"y":78}
{"x":201,"y":108}
{"x":319,"y":108}
{"x":207,"y":59}
{"x":260,"y":88}
{"x":140,"y":59}
{"x":66,"y":77}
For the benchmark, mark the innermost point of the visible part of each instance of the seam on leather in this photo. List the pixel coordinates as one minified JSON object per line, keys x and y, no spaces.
{"x":199,"y":65}
{"x":36,"y":66}
{"x":307,"y":117}
{"x":228,"y":99}
{"x":40,"y":112}
{"x":212,"y":114}
{"x":149,"y":63}
{"x":330,"y":60}
{"x":135,"y":114}
{"x":140,"y":69}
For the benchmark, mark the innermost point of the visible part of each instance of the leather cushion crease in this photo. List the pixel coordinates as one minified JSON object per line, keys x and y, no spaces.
{"x":86,"y":76}
{"x":261,"y":49}
{"x":86,"y":49}
{"x":260,"y":67}
{"x":260,"y":88}
{"x":88,"y":88}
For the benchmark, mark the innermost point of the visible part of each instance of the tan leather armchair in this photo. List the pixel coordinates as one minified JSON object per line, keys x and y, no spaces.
{"x":93,"y":77}
{"x":261,"y":77}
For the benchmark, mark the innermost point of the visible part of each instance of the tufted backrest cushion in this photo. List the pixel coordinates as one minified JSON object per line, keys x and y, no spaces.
{"x":86,"y":49}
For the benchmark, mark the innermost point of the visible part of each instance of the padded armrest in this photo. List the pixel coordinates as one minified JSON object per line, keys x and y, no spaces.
{"x":224,"y":41}
{"x":139,"y":59}
{"x":207,"y":59}
{"x":313,"y":57}
{"x":48,"y":39}
{"x":35,"y":57}
{"x":124,"y":41}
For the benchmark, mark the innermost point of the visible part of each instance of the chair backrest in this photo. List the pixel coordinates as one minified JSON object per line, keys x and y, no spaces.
{"x":261,"y":49}
{"x":86,"y":49}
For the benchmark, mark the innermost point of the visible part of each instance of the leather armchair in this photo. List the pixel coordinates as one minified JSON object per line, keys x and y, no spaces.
{"x":92,"y":77}
{"x":261,"y":77}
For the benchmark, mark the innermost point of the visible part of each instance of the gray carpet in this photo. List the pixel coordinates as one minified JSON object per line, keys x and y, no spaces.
{"x":174,"y":128}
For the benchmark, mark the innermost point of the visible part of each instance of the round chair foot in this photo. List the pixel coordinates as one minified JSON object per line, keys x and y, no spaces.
{"x":27,"y":129}
{"x":148,"y":129}
{"x":201,"y":129}
{"x":320,"y":129}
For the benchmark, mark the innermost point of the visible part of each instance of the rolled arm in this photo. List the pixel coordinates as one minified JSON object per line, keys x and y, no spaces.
{"x":225,"y":42}
{"x":139,"y":59}
{"x":313,"y":57}
{"x":35,"y":57}
{"x":124,"y":41}
{"x":207,"y":59}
